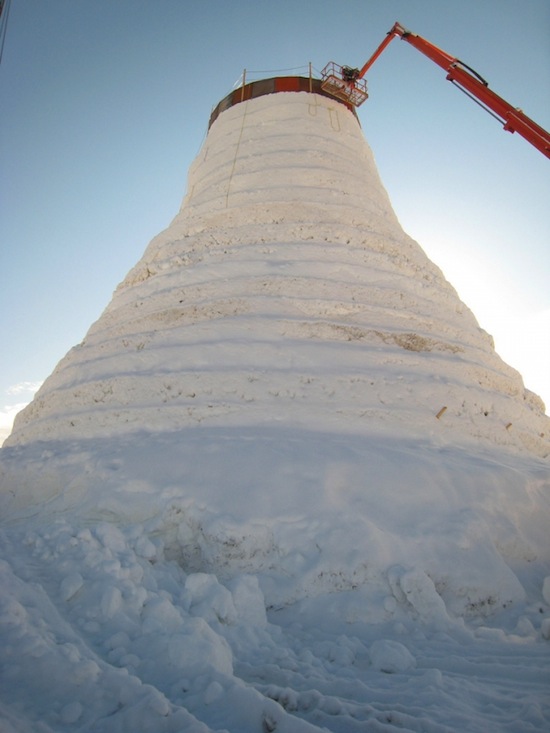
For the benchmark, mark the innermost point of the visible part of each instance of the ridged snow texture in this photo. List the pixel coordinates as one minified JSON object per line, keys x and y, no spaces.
{"x":285,"y":291}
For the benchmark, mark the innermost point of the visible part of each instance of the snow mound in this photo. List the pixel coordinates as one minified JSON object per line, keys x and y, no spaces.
{"x":285,"y":483}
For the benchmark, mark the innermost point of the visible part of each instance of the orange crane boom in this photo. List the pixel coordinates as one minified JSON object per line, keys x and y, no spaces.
{"x":348,"y":84}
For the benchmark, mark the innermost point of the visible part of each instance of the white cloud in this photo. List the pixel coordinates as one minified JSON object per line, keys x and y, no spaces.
{"x":31,"y":387}
{"x":8,"y":412}
{"x":7,"y":416}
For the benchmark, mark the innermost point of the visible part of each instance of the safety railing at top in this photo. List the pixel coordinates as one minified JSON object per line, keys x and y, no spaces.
{"x":252,"y":84}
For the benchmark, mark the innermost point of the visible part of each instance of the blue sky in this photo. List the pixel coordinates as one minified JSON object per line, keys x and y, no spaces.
{"x":106,"y":103}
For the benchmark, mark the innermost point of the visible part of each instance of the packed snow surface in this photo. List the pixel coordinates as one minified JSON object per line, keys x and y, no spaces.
{"x":285,"y":483}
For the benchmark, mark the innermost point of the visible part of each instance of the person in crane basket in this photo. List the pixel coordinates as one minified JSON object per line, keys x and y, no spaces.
{"x":349,"y":74}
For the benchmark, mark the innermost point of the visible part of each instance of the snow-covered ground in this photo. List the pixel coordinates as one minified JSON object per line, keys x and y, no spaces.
{"x":285,"y":483}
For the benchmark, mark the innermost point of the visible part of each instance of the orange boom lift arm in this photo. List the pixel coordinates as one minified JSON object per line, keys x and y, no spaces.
{"x":348,"y":84}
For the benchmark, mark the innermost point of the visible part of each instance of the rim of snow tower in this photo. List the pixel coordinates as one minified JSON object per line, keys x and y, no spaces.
{"x":274,"y":85}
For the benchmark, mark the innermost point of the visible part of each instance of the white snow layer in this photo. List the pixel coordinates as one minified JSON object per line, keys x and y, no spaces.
{"x":285,"y":483}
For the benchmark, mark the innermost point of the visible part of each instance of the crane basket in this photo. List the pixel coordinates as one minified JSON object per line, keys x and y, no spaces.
{"x":342,"y":82}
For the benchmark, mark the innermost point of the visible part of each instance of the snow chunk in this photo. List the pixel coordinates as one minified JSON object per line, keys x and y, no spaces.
{"x":111,"y":602}
{"x":546,"y":589}
{"x":212,"y":692}
{"x":145,"y":548}
{"x":525,"y":627}
{"x":249,"y":600}
{"x":420,"y":592}
{"x":160,"y":614}
{"x":197,"y":650}
{"x":71,"y":713}
{"x":391,"y":656}
{"x":204,"y":596}
{"x":111,"y":537}
{"x":70,"y":585}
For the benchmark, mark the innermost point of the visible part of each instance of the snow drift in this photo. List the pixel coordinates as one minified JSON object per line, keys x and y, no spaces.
{"x":285,"y":401}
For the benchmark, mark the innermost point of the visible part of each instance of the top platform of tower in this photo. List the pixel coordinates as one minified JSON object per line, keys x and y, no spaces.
{"x":274,"y":85}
